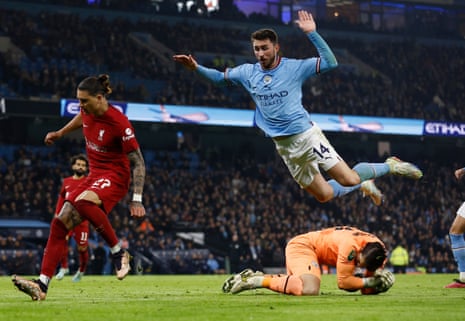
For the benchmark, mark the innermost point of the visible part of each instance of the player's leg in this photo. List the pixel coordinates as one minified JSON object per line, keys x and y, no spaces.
{"x":300,"y":153}
{"x":81,"y":236}
{"x":456,"y":234}
{"x":325,"y":191}
{"x":64,"y":267}
{"x":305,"y":153}
{"x":302,"y":264}
{"x":93,"y":205}
{"x":300,"y":259}
{"x":362,"y":172}
{"x":346,"y":179}
{"x":59,"y":228}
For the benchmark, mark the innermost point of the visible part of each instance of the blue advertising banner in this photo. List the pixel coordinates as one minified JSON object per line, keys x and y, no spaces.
{"x":366,"y":124}
{"x":245,"y":118}
{"x":70,"y":107}
{"x":190,"y":114}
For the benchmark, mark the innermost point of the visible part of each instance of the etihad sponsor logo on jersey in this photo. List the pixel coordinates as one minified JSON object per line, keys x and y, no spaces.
{"x":271,"y":99}
{"x":272,"y":96}
{"x":129,"y":134}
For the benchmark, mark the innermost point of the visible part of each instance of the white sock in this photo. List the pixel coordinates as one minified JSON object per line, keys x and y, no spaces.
{"x":257,"y":281}
{"x":462,"y":276}
{"x":44,"y":279}
{"x":115,"y":249}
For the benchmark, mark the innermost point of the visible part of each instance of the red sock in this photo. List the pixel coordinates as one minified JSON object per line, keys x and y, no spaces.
{"x":54,"y":249}
{"x":83,"y":260}
{"x":64,"y":258}
{"x":97,"y":217}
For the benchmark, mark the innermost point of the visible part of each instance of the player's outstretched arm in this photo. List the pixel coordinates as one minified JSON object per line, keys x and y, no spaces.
{"x":190,"y":63}
{"x":187,"y":61}
{"x":72,"y":125}
{"x":305,"y":21}
{"x":459,"y":173}
{"x":307,"y":25}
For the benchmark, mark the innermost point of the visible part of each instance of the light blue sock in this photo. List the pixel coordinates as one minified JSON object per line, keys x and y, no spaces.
{"x":365,"y":171}
{"x":458,"y":249}
{"x":340,"y":190}
{"x":368,"y":171}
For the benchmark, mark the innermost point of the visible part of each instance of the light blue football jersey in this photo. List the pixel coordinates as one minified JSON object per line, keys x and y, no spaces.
{"x":277,"y":93}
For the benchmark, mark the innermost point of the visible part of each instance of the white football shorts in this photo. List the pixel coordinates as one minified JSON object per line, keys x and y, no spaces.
{"x":461,"y":210}
{"x":305,"y":153}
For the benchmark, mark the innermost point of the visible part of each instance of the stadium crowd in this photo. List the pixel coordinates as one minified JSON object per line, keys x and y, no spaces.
{"x":66,"y":46}
{"x":246,"y":210}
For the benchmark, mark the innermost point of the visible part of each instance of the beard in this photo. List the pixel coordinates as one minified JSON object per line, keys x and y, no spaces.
{"x":269,"y":63}
{"x":79,"y":172}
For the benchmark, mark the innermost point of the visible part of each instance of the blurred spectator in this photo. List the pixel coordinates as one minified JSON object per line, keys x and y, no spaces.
{"x":399,"y":259}
{"x":213,"y":266}
{"x":99,"y":258}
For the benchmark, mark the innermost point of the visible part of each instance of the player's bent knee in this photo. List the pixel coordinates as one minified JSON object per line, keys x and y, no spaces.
{"x":322,"y":195}
{"x":325,"y":197}
{"x":69,"y":216}
{"x":310,"y":285}
{"x":350,"y":180}
{"x":294,"y":285}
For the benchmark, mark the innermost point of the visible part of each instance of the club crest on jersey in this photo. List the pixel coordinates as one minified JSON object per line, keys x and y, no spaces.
{"x":267,"y":79}
{"x":351,"y":255}
{"x":100,"y":134}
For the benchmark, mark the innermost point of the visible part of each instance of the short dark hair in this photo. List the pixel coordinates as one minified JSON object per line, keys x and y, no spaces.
{"x":374,"y":254}
{"x":263,"y":34}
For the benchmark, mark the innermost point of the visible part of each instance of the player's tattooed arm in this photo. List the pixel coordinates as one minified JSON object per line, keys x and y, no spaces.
{"x":138,"y":171}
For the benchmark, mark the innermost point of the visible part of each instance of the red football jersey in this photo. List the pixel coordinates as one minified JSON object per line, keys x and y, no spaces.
{"x":109,"y":138}
{"x":69,"y":184}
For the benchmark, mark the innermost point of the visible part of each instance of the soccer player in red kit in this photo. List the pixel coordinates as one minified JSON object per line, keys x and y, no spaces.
{"x":112,"y":150}
{"x":79,"y":166}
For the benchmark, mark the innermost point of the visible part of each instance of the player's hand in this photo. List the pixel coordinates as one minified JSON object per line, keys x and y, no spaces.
{"x":305,"y":21}
{"x":187,"y":61}
{"x":51,"y":137}
{"x":137,"y":209}
{"x":459,"y":173}
{"x":386,"y":280}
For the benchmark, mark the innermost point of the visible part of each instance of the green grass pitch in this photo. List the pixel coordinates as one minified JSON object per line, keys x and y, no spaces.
{"x":198,"y":297}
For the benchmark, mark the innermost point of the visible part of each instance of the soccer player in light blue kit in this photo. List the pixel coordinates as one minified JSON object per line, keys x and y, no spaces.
{"x":457,"y":240}
{"x":275,"y":85}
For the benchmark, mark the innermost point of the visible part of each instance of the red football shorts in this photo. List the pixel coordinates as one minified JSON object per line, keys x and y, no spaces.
{"x":109,"y":187}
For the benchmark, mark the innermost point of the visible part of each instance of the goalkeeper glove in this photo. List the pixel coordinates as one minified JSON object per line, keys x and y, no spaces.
{"x":386,"y":279}
{"x":382,"y":281}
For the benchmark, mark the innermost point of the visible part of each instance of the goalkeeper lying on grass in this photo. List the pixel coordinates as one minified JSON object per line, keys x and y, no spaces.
{"x":347,"y":248}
